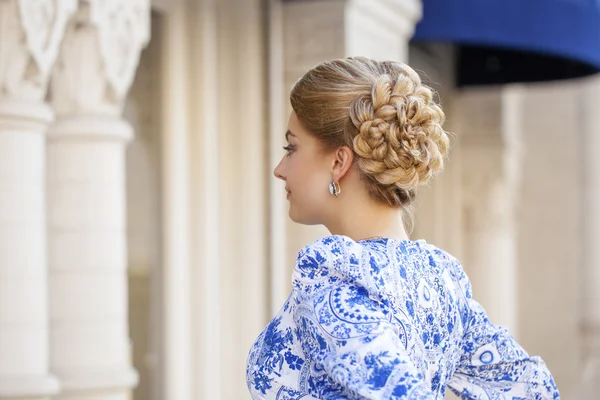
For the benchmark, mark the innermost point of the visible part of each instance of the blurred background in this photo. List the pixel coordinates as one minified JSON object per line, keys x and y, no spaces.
{"x":144,"y":243}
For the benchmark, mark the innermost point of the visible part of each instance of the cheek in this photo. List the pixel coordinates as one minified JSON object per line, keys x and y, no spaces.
{"x":306,"y":173}
{"x":313,"y":187}
{"x":307,"y":182}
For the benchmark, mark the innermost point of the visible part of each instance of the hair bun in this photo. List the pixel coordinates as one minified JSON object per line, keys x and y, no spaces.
{"x":400,"y":140}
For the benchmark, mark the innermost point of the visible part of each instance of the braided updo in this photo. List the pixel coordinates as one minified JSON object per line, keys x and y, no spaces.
{"x":384,"y":113}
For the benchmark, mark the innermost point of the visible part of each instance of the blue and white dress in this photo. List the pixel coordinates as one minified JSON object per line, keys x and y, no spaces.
{"x":387,"y":319}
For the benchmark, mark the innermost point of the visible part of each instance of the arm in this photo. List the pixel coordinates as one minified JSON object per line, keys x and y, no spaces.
{"x":493,"y":365}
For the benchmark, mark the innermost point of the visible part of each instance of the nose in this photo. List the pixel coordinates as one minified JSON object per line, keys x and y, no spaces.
{"x":278,"y":173}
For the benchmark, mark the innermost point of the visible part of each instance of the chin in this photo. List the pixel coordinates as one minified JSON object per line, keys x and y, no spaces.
{"x":303,"y":219}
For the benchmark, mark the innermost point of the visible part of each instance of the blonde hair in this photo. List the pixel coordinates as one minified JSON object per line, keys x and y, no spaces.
{"x":384,"y":113}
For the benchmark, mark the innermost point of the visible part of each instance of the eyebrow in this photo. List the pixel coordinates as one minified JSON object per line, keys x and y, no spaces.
{"x":288,"y":134}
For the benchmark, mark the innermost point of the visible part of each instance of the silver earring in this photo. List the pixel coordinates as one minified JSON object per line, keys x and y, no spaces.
{"x":335,"y":188}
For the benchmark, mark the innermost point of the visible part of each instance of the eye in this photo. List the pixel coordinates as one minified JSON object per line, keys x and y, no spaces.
{"x":289,"y":148}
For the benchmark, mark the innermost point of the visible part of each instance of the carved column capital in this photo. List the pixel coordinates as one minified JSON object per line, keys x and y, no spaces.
{"x":100,"y":55}
{"x":31,"y":32}
{"x":123,"y":28}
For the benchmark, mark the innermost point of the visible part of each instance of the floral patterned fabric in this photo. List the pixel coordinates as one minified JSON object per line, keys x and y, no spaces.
{"x":387,"y":319}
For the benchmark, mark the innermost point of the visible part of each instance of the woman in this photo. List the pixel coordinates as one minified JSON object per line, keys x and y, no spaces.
{"x":372,"y":314}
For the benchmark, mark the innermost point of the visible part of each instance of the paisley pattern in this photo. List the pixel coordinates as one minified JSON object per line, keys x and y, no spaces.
{"x":387,"y":319}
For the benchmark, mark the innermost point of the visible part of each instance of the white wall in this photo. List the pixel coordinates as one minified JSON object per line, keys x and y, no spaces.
{"x":550,"y":229}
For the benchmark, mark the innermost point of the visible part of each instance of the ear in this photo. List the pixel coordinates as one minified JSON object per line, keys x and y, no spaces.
{"x":342,"y":161}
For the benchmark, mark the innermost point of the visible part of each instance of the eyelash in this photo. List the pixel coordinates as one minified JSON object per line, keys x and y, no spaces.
{"x":289,"y":149}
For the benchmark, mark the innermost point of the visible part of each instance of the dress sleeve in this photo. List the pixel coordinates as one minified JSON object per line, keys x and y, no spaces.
{"x":493,"y":365}
{"x":347,"y":336}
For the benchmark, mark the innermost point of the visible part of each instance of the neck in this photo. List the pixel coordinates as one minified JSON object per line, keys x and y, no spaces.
{"x":367,"y":220}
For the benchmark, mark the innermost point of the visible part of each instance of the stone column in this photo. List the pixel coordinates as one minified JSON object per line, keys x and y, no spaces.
{"x":488,"y":125}
{"x":316,"y":31}
{"x":241,"y":171}
{"x":590,"y":297}
{"x":278,"y":208}
{"x":30,"y":36}
{"x":207,"y":379}
{"x":89,"y":340}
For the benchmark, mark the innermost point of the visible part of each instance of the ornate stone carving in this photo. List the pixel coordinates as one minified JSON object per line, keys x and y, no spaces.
{"x":44,"y":24}
{"x":31,"y":33}
{"x":123,"y":30}
{"x":100,"y":55}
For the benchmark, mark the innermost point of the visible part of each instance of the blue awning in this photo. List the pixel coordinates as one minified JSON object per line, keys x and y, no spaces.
{"x":566,"y":28}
